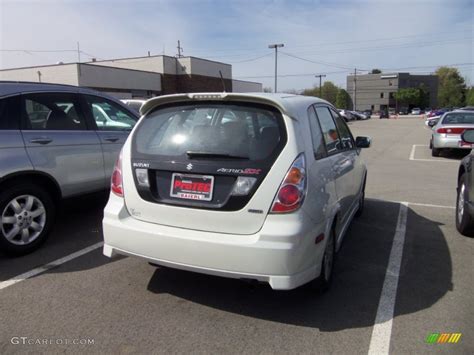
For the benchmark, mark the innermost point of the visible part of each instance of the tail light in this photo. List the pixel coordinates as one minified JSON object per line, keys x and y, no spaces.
{"x":451,"y":130}
{"x":292,"y":190}
{"x":116,"y":181}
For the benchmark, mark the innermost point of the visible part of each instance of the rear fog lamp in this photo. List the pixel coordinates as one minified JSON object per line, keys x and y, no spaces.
{"x":142,"y":177}
{"x":243,"y":185}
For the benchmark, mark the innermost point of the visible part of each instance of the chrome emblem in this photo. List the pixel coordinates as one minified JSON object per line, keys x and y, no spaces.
{"x":189,"y":166}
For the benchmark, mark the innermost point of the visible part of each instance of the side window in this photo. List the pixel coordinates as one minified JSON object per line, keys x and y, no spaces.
{"x":45,"y":111}
{"x":109,"y":116}
{"x":328,"y":127}
{"x":9,"y":113}
{"x":347,"y":140}
{"x":316,"y":135}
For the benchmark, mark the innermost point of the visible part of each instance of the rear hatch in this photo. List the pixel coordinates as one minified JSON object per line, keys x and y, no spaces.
{"x":207,"y":165}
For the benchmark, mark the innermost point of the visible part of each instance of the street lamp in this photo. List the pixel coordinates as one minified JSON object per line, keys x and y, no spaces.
{"x":276,"y":46}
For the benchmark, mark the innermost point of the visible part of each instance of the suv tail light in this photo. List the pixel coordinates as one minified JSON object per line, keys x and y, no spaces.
{"x":451,"y":130}
{"x":292,"y":190}
{"x":116,"y":181}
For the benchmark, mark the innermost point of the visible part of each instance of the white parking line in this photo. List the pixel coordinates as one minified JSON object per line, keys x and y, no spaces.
{"x":412,"y":155}
{"x":382,"y":332}
{"x":49,"y":266}
{"x":410,"y":203}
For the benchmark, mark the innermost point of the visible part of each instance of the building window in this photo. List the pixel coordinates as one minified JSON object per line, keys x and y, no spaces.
{"x":391,"y":95}
{"x":390,"y":83}
{"x":381,"y":95}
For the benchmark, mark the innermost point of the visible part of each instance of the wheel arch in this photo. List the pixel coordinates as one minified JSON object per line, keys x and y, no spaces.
{"x":39,"y":178}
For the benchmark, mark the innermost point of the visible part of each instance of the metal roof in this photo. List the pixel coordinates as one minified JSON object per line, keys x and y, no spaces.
{"x":8,"y":88}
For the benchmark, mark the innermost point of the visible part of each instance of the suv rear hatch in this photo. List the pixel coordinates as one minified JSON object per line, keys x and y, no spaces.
{"x":201,"y":165}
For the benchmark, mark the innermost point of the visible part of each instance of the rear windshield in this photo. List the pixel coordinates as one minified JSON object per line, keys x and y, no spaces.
{"x":459,"y":118}
{"x":232,"y":131}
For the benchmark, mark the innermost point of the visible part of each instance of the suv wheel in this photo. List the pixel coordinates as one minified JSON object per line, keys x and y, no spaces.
{"x":26,"y":216}
{"x":464,"y":220}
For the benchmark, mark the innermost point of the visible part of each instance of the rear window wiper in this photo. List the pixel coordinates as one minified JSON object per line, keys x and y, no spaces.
{"x":192,"y":154}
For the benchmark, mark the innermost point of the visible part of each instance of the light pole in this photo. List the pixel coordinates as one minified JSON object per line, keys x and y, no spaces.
{"x":276,"y":46}
{"x":320,"y":76}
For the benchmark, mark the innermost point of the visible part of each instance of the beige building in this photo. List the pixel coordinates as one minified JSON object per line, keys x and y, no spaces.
{"x":139,"y":77}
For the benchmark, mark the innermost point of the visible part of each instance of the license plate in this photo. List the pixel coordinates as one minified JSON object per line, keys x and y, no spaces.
{"x":463,"y":144}
{"x":192,"y":187}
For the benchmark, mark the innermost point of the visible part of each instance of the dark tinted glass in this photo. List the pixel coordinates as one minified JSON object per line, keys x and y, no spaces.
{"x":53,"y":112}
{"x":236,"y":131}
{"x":328,"y":127}
{"x":459,"y":118}
{"x":316,"y":135}
{"x":9,"y":113}
{"x":347,"y":141}
{"x":110,"y":116}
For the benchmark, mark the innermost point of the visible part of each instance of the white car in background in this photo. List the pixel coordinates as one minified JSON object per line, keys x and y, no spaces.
{"x":416,"y":111}
{"x":248,"y":186}
{"x":134,"y":104}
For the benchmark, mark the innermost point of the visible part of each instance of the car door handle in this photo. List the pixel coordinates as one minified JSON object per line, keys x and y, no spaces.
{"x":111,"y":139}
{"x":41,"y":140}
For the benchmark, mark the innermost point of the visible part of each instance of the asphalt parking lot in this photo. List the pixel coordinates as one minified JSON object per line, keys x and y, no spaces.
{"x":403,"y":273}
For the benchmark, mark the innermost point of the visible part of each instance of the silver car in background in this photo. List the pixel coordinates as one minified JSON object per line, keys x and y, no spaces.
{"x":448,"y":129}
{"x":56,"y":141}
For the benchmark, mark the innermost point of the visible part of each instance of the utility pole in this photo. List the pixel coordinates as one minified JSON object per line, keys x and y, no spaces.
{"x":276,"y":46}
{"x":320,"y":87}
{"x":78,"y":53}
{"x":355,"y":88}
{"x":179,"y":49}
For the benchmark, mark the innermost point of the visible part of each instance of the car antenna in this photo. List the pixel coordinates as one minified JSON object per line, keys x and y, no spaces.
{"x":222,"y":81}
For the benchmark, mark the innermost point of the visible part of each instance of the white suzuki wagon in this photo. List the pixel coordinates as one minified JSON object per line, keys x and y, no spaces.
{"x":248,"y":186}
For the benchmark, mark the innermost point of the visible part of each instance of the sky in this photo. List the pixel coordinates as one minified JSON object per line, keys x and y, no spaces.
{"x":319,"y":36}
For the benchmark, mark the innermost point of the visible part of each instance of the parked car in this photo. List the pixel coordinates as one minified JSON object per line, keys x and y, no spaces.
{"x":53,"y":145}
{"x":384,"y":114}
{"x":206,"y":181}
{"x":403,"y":111}
{"x":368,"y":113}
{"x":465,"y":190}
{"x":134,"y":104}
{"x":347,"y":115}
{"x":446,"y":133}
{"x":358,"y":115}
{"x":416,"y":111}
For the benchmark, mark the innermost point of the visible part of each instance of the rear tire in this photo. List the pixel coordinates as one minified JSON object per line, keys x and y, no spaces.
{"x":464,"y":220}
{"x":435,"y":152}
{"x":26,"y":216}
{"x":324,"y":281}
{"x":360,"y":210}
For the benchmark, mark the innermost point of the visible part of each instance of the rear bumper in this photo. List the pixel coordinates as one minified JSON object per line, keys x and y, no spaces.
{"x":444,"y":141}
{"x":283,"y":253}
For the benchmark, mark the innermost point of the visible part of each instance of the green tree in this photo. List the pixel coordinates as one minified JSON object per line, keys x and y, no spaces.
{"x":413,"y":96}
{"x":451,"y":87}
{"x":376,"y":71}
{"x":470,"y":96}
{"x":343,"y":100}
{"x":408,"y":96}
{"x":328,"y":92}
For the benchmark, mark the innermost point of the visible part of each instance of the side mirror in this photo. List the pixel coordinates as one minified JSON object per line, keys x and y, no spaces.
{"x":432,"y":123}
{"x":363,"y":142}
{"x":468,"y":136}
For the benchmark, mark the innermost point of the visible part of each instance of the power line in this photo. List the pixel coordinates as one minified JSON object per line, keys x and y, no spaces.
{"x":314,"y":44}
{"x":317,"y":62}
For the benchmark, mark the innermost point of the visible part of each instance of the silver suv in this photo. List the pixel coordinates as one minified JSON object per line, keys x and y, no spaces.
{"x":56,"y":141}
